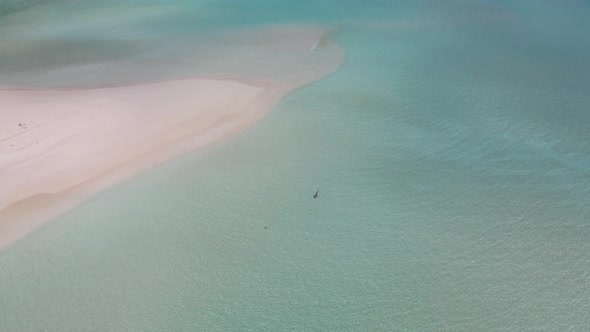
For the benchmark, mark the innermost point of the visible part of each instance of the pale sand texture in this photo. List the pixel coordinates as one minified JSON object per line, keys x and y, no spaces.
{"x":58,"y":147}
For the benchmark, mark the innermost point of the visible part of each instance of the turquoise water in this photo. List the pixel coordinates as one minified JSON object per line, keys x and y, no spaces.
{"x":451,"y":152}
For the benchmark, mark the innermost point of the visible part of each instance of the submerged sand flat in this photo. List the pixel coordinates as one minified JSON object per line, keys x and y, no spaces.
{"x":58,"y":147}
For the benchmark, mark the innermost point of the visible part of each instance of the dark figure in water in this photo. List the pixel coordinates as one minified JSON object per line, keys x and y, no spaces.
{"x":317,"y":193}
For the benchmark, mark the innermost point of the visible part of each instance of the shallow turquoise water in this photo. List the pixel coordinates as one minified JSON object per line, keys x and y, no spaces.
{"x":451,"y":152}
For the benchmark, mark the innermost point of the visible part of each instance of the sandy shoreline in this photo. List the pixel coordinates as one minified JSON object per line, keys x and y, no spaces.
{"x":58,"y":147}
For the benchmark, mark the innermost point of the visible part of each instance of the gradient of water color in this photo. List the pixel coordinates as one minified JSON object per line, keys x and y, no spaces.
{"x":452,"y":154}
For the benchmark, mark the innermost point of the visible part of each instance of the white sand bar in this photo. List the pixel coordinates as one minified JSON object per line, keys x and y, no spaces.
{"x":58,"y":147}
